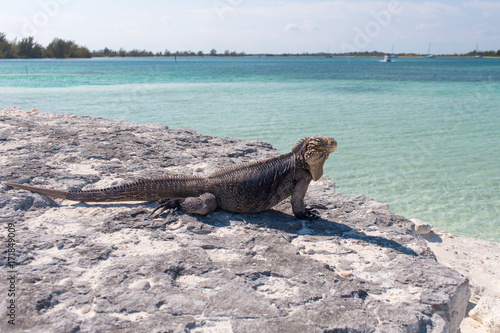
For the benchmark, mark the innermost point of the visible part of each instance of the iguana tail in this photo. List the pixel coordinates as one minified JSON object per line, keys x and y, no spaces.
{"x":141,"y":190}
{"x":42,"y":190}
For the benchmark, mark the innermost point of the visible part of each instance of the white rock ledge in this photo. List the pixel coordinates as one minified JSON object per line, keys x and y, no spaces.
{"x":360,"y":268}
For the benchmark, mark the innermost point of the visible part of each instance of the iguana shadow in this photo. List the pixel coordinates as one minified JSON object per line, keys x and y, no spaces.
{"x":321,"y":227}
{"x":274,"y":219}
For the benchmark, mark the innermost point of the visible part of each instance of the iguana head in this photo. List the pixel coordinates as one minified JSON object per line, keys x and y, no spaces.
{"x":314,"y":151}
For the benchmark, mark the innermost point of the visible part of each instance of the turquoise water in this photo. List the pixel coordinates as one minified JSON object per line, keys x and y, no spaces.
{"x":419,"y":134}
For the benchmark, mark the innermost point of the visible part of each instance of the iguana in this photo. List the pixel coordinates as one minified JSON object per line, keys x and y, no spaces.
{"x":247,"y":188}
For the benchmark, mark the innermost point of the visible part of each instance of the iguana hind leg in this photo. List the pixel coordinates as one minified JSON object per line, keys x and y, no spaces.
{"x":201,"y":205}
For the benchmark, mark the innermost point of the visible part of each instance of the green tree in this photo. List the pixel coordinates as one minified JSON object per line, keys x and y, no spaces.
{"x":6,"y":48}
{"x":213,"y":52}
{"x":139,"y":53}
{"x":59,"y":48}
{"x":27,"y":48}
{"x":79,"y":52}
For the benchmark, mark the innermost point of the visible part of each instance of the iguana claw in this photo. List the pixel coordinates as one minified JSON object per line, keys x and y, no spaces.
{"x":312,"y":214}
{"x":165,"y":204}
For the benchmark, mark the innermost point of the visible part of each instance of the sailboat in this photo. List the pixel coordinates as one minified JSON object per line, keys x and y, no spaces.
{"x":429,"y":55}
{"x":475,"y":51}
{"x":393,"y":55}
{"x":328,"y":54}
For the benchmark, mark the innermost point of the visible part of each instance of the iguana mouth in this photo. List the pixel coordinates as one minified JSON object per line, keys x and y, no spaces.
{"x":331,"y":146}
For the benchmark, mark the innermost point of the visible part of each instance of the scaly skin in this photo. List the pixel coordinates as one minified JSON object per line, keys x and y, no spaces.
{"x":247,"y":188}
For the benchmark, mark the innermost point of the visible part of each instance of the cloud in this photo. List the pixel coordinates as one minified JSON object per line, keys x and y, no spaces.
{"x":205,"y":30}
{"x":428,"y":26}
{"x":136,"y":14}
{"x":324,"y":9}
{"x":305,"y":26}
{"x":482,"y":4}
{"x":309,"y":26}
{"x":429,"y":9}
{"x":291,"y":27}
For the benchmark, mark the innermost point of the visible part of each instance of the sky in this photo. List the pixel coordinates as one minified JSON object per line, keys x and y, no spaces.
{"x":260,"y":26}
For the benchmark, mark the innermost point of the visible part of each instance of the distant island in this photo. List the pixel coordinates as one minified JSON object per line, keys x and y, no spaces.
{"x":28,"y":48}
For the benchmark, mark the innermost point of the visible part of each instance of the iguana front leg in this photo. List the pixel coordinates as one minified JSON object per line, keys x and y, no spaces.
{"x":297,"y":200}
{"x":201,"y":205}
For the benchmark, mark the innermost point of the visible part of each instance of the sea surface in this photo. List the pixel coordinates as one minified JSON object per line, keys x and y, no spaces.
{"x":420,"y":134}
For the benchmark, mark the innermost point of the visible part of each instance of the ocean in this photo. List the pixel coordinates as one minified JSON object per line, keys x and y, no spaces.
{"x":420,"y":134}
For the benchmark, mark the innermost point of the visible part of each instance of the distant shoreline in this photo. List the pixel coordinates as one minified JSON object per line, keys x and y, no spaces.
{"x":28,"y":48}
{"x":268,"y":56}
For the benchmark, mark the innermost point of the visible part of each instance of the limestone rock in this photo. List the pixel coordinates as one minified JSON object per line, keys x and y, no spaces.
{"x":66,"y":282}
{"x":140,"y":285}
{"x":423,"y":228}
{"x":359,"y":268}
{"x":487,"y":312}
{"x":377,"y":205}
{"x":5,"y":133}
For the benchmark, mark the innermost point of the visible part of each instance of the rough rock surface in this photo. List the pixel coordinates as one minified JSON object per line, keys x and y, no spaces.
{"x":479,"y":261}
{"x":108,"y":267}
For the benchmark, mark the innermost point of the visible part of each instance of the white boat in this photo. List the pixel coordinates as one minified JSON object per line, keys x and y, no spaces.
{"x":477,"y":55}
{"x":429,"y":55}
{"x":387,"y":58}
